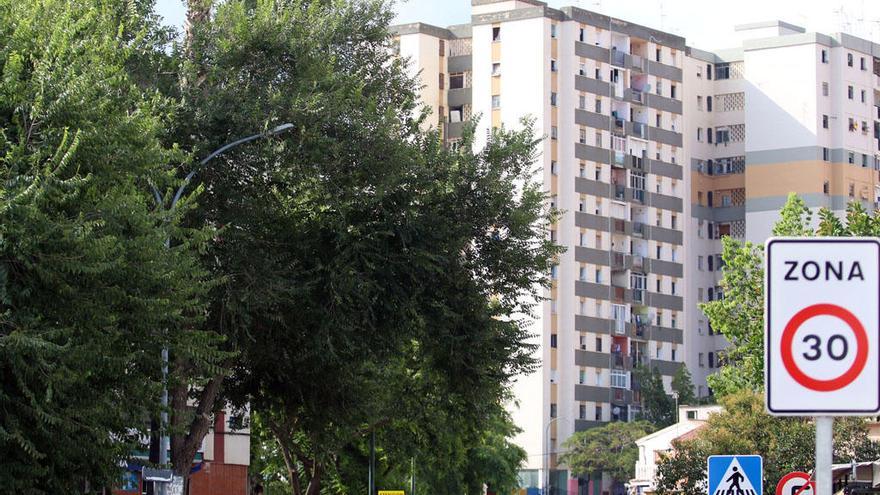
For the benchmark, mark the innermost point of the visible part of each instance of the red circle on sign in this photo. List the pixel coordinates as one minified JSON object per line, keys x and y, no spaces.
{"x":861,"y":347}
{"x":780,"y":487}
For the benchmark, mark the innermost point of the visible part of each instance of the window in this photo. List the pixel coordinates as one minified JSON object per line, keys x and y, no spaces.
{"x":673,"y":353}
{"x":672,"y":91}
{"x":708,"y":103}
{"x":826,"y":154}
{"x":824,"y":56}
{"x":824,"y":122}
{"x":554,"y":132}
{"x":582,"y":70}
{"x":700,"y":360}
{"x":709,"y":71}
{"x":824,"y":89}
{"x":659,"y":250}
{"x":553,"y":341}
{"x":442,"y":48}
{"x":582,"y":36}
{"x":496,"y":101}
{"x":553,"y":98}
{"x":852,"y":125}
{"x":692,"y":415}
{"x":659,"y":119}
{"x":658,"y":286}
{"x":552,"y":410}
{"x":699,"y":103}
{"x":700,"y":71}
{"x":583,"y":136}
{"x":722,"y":71}
{"x":864,"y":127}
{"x":849,"y":92}
{"x":711,"y":261}
{"x":554,"y":167}
{"x":864,"y":161}
{"x":700,"y":263}
{"x":619,"y":379}
{"x":852,"y":189}
{"x":598,"y":344}
{"x":673,"y":292}
{"x":553,"y":28}
{"x":554,"y":272}
{"x":658,"y":54}
{"x":863,"y":95}
{"x":660,"y":87}
{"x":442,"y":81}
{"x":496,"y":33}
{"x":496,"y":69}
{"x":582,"y":274}
{"x":598,"y":415}
{"x":722,"y":136}
{"x":582,"y":377}
{"x":582,"y":102}
{"x":456,"y":81}
{"x":582,"y":411}
{"x":862,"y":64}
{"x":849,"y":59}
{"x":598,"y":105}
{"x":711,"y":359}
{"x":553,"y":66}
{"x":826,"y":187}
{"x":709,"y":138}
{"x":700,"y":134}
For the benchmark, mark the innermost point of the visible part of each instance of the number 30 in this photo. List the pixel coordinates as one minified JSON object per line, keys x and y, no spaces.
{"x":816,"y":347}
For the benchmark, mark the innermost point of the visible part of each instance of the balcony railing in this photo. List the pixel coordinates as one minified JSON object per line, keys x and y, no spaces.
{"x":639,"y":195}
{"x":617,"y":260}
{"x":619,"y":192}
{"x":619,"y":158}
{"x":640,"y":130}
{"x":618,"y":57}
{"x":636,"y":162}
{"x":619,"y":226}
{"x":638,"y":295}
{"x":638,"y":260}
{"x":638,"y":228}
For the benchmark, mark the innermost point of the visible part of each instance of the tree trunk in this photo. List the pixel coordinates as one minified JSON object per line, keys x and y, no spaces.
{"x":185,"y":443}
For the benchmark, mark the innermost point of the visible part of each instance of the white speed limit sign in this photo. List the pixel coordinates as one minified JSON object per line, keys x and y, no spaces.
{"x":821,"y":326}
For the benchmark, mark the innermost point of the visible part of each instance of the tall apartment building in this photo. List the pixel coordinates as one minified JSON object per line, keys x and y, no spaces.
{"x":655,"y":151}
{"x":607,"y":94}
{"x":786,"y":111}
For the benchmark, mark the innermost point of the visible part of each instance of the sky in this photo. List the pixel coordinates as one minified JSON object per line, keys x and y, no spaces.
{"x":706,"y":24}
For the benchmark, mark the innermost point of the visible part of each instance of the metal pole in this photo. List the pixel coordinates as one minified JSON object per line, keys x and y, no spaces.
{"x":165,"y":440}
{"x":371,"y":480}
{"x":824,"y":448}
{"x":412,"y":478}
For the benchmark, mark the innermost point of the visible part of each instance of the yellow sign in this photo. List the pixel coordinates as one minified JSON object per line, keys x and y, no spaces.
{"x":392,"y":492}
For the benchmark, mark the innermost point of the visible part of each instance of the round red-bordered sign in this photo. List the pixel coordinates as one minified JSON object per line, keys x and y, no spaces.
{"x":788,"y":482}
{"x":861,"y":347}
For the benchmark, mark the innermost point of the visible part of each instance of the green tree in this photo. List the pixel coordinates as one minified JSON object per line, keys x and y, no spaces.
{"x":89,"y":293}
{"x":374,"y":281}
{"x":739,"y":315}
{"x":609,"y":449}
{"x":786,"y":444}
{"x":658,"y":408}
{"x":683,"y":386}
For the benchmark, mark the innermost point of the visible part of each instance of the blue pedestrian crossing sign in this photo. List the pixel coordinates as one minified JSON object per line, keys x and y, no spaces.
{"x":736,"y":475}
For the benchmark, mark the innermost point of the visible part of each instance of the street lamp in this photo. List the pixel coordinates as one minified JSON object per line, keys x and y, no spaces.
{"x":160,"y":201}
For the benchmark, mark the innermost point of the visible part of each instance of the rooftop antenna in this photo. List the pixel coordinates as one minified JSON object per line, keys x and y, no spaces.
{"x":662,"y":18}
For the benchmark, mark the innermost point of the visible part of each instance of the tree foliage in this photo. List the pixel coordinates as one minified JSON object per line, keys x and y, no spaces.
{"x":609,"y":449}
{"x":683,"y":386}
{"x":374,"y":279}
{"x":786,"y":444}
{"x":739,"y":315}
{"x":89,"y":293}
{"x":658,"y":408}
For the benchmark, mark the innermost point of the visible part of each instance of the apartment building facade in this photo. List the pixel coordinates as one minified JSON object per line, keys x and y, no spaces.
{"x":607,"y":95}
{"x":655,"y":151}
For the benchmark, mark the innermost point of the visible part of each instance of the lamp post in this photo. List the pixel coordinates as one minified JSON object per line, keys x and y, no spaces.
{"x":160,"y":202}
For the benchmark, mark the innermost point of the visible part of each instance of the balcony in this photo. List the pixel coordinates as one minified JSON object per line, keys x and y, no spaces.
{"x":639,"y":130}
{"x":619,"y":193}
{"x":619,"y":226}
{"x":636,"y":96}
{"x":638,"y":261}
{"x":638,"y":195}
{"x":636,"y":162}
{"x":619,"y":159}
{"x":638,"y":296}
{"x":618,"y":58}
{"x":638,"y":229}
{"x":618,"y":261}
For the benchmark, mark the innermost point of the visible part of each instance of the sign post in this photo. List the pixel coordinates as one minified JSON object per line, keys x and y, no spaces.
{"x":821,"y":344}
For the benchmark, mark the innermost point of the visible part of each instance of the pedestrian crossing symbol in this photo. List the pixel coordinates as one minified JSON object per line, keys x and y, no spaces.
{"x":735,"y":475}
